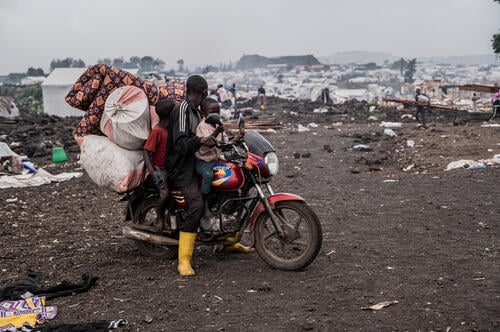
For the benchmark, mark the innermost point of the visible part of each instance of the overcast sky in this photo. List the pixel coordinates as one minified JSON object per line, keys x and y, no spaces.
{"x":33,"y":32}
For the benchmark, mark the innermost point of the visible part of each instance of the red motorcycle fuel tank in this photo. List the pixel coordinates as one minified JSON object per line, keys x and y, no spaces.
{"x":227,"y":176}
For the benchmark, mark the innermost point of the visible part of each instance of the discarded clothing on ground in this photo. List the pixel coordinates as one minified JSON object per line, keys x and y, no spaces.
{"x":101,"y":326}
{"x":33,"y":283}
{"x":29,"y":311}
{"x":38,"y":178}
{"x":90,"y":91}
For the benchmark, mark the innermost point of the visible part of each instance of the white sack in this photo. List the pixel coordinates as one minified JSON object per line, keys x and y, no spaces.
{"x":111,"y":166}
{"x":126,"y":119}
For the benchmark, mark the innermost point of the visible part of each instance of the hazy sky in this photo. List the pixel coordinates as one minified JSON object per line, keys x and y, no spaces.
{"x":33,"y":32}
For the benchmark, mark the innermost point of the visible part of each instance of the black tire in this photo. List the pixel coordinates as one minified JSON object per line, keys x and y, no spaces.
{"x":304,"y":236}
{"x":146,"y":215}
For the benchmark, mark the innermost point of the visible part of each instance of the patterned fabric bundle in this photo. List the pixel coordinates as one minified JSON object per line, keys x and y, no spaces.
{"x":90,"y":91}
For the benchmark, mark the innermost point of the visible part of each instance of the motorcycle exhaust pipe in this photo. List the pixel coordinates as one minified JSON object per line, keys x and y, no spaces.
{"x":134,"y":234}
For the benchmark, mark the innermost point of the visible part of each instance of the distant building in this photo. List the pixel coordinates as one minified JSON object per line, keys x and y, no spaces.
{"x":55,"y":88}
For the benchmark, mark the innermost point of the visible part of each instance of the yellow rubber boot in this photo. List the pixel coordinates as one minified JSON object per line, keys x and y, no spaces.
{"x":186,"y":248}
{"x":236,"y":247}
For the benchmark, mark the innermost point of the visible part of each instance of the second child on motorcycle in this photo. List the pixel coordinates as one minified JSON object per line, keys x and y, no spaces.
{"x":155,"y":150}
{"x":207,"y":156}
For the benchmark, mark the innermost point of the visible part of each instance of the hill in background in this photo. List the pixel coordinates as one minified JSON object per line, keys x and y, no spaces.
{"x":362,"y":57}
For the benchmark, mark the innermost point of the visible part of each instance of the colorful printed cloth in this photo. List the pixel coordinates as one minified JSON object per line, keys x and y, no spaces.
{"x":30,"y":311}
{"x":90,"y":91}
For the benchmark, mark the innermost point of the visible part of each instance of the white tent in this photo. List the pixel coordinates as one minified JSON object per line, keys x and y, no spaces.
{"x":56,"y":87}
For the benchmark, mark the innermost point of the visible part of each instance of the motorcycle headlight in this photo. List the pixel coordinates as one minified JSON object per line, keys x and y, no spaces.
{"x":272,"y":164}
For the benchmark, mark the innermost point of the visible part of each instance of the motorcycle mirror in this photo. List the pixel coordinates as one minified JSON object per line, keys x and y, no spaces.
{"x":213,"y":119}
{"x":241,"y":122}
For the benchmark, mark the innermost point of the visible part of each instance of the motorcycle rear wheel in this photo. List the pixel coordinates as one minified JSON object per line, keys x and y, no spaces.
{"x":146,"y":216}
{"x":303,"y":237}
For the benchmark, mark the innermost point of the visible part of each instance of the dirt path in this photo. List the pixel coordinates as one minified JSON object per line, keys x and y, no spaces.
{"x":426,"y":238}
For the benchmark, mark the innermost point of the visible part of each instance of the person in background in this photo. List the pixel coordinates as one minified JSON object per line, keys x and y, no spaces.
{"x":181,"y":146}
{"x":474,"y":99}
{"x":422,"y":100}
{"x":224,"y":99}
{"x":155,"y":150}
{"x":232,"y":89}
{"x":213,"y":95}
{"x":261,"y":96}
{"x":495,"y":100}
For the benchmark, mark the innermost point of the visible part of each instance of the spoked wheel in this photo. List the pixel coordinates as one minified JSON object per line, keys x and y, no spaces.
{"x":301,"y":241}
{"x":146,"y":216}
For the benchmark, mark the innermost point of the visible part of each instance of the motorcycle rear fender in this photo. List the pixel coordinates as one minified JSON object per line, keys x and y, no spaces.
{"x":280,"y":197}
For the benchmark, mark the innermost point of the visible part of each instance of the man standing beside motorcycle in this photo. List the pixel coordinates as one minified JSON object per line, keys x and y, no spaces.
{"x":181,"y":147}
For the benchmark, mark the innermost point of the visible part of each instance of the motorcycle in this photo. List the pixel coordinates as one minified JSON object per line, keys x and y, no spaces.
{"x":284,"y":230}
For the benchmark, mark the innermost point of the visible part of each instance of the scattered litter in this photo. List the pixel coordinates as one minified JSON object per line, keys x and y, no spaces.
{"x":320,"y":110}
{"x":410,"y":143}
{"x":491,"y":125}
{"x":313,"y":125}
{"x":301,"y":128}
{"x":479,"y":278}
{"x":478,"y":166}
{"x":390,"y":124}
{"x":389,"y":132}
{"x":390,"y":181}
{"x":336,"y":124}
{"x":218,"y":298}
{"x":331,"y":252}
{"x":380,"y":305}
{"x":471,"y":164}
{"x":271,"y":130}
{"x":251,"y":291}
{"x":34,"y":179}
{"x":372,"y":108}
{"x":362,"y":147}
{"x":11,"y":200}
{"x":408,"y":168}
{"x":372,"y":118}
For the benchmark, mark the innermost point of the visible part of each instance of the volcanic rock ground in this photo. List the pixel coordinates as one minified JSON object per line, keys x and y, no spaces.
{"x":424,"y":237}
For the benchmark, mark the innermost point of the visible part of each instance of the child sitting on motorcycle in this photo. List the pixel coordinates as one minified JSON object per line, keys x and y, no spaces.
{"x":207,"y":156}
{"x":154,"y":153}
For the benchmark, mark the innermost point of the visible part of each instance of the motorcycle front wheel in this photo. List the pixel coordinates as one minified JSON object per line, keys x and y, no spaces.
{"x":301,"y":241}
{"x":146,"y":216}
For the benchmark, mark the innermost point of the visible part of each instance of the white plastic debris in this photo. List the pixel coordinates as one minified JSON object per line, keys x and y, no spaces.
{"x":463,"y":163}
{"x":389,"y":132}
{"x":301,"y":128}
{"x":320,"y":110}
{"x":371,"y":109}
{"x":410,"y":143}
{"x":313,"y":125}
{"x":390,"y":124}
{"x":362,"y":147}
{"x":408,"y":168}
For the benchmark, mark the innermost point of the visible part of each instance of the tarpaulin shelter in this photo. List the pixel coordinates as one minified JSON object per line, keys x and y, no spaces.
{"x":55,"y":88}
